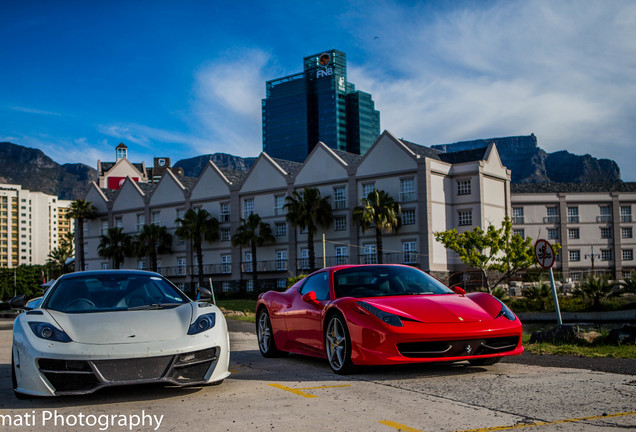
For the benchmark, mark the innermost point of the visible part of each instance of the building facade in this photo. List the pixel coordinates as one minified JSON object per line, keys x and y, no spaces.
{"x":593,"y":222}
{"x":32,"y":224}
{"x":318,"y":104}
{"x":437,"y":191}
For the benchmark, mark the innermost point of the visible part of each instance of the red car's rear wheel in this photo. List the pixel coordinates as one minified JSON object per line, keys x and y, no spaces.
{"x":266,"y":343}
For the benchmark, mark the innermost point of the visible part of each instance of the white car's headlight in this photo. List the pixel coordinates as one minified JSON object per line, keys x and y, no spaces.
{"x":202,"y":323}
{"x":47,"y":331}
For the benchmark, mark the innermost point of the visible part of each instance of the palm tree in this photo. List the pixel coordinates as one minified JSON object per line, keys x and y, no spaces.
{"x":152,"y":241}
{"x":628,"y":285}
{"x":81,"y":210}
{"x":114,"y":245}
{"x":595,"y":289}
{"x":307,"y":210}
{"x":57,"y":258}
{"x":252,"y":233}
{"x":197,"y":226}
{"x":381,"y":212}
{"x":540,"y":296}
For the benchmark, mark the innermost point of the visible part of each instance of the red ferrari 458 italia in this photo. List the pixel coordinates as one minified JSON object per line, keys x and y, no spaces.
{"x":384,"y":314}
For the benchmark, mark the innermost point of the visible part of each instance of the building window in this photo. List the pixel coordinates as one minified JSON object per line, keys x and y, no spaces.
{"x":519,"y":232}
{"x":105,"y":266}
{"x":247,"y":262}
{"x":463,"y":187}
{"x":342,"y":255}
{"x":465,"y":217}
{"x":626,"y":213}
{"x":225,"y":212}
{"x":408,"y":217}
{"x":225,"y":286}
{"x":181,"y":266}
{"x":575,"y":276}
{"x":628,"y":254}
{"x":627,"y":274}
{"x":226,"y":234}
{"x":156,"y":219}
{"x":407,"y":189}
{"x":279,"y":204}
{"x":552,"y":215}
{"x":606,"y":233}
{"x":104,"y":226}
{"x":304,"y":258}
{"x":340,"y":223}
{"x":281,"y":283}
{"x":141,"y":221}
{"x":339,"y":197}
{"x":226,"y":263}
{"x":517,"y":215}
{"x":141,"y":265}
{"x":553,"y":233}
{"x":370,"y":256}
{"x":367,"y":188}
{"x":281,"y":260}
{"x":575,"y":255}
{"x":281,"y":229}
{"x":626,"y":232}
{"x":573,"y":214}
{"x":409,"y":252}
{"x":605,"y":214}
{"x":606,"y":254}
{"x":249,"y":285}
{"x":573,"y":233}
{"x":248,"y":207}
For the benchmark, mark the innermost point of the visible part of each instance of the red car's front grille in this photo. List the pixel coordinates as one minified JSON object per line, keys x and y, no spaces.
{"x":458,"y":348}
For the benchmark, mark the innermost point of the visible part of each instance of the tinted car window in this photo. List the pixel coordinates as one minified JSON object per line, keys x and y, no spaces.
{"x":318,"y":283}
{"x":380,"y":281}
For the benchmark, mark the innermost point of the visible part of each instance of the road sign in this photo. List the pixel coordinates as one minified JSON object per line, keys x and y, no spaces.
{"x":544,"y":253}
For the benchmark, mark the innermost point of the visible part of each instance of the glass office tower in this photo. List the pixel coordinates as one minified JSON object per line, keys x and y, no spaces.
{"x":317,"y":104}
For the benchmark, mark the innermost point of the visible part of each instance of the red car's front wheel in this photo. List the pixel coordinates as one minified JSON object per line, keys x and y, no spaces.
{"x":338,"y":345}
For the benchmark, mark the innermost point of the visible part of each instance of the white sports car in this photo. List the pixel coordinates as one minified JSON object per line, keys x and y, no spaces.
{"x":116,"y":327}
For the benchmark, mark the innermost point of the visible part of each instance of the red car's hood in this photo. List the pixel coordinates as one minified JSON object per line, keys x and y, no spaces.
{"x":439,"y":308}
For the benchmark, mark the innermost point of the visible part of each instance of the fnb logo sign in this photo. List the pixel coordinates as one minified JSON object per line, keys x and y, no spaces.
{"x":320,"y":73}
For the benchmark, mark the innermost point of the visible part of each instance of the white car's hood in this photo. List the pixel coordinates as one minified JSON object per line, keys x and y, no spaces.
{"x":125,"y":326}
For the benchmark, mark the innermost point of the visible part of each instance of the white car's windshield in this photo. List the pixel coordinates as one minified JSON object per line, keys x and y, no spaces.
{"x":381,"y":281}
{"x":105,"y":293}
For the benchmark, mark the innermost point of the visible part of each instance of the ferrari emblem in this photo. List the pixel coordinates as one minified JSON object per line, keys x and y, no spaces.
{"x":460,"y":318}
{"x":468,"y":349}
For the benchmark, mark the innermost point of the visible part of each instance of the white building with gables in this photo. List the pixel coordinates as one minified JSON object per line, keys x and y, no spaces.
{"x":437,"y":191}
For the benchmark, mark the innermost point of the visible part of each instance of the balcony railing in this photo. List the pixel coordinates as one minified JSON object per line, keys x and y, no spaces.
{"x":339,"y":204}
{"x":573,"y":219}
{"x":407,"y":196}
{"x":265,"y":266}
{"x":603,"y":219}
{"x":626,"y":218}
{"x":551,"y":219}
{"x":517,"y":220}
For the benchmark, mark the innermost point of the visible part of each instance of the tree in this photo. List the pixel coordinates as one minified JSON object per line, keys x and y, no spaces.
{"x":308,"y":210}
{"x":378,"y":211}
{"x":252,"y":233}
{"x":197,"y":226}
{"x":115,"y":245}
{"x":596,"y":289}
{"x":628,"y":285}
{"x":56,"y":260}
{"x":540,"y":296}
{"x":495,"y":249}
{"x":152,"y":241}
{"x":81,"y":210}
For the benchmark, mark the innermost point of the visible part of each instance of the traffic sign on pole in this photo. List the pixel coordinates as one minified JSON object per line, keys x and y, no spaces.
{"x":544,"y":253}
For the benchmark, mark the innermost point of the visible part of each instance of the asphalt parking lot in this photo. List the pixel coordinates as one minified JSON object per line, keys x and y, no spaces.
{"x":302,"y":394}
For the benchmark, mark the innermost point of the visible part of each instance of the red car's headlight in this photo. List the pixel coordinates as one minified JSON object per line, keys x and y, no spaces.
{"x":389,"y":318}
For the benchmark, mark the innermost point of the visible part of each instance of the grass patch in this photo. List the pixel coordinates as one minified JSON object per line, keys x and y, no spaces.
{"x":614,"y":351}
{"x":239,"y":309}
{"x":239,"y":305}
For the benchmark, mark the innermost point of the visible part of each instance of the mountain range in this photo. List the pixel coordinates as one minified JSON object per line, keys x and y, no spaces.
{"x":34,"y":170}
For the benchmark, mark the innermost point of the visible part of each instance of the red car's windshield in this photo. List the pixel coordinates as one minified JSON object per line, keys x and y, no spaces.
{"x":381,"y":281}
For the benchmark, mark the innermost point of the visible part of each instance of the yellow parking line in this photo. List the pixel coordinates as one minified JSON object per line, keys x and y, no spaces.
{"x":302,"y":393}
{"x":398,"y":426}
{"x":322,"y":387}
{"x":547,"y":423}
{"x":289,"y":389}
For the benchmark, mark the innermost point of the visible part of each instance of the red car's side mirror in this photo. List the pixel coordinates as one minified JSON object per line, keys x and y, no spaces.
{"x":311,"y":298}
{"x":459,"y":290}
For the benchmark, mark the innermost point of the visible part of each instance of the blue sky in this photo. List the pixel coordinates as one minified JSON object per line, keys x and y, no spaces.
{"x":181,"y":79}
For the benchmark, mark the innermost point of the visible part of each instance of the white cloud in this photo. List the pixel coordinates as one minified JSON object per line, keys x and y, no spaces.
{"x":562,"y":70}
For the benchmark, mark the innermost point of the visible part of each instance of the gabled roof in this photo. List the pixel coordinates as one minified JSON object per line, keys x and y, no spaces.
{"x":421,"y":150}
{"x":464,"y":156}
{"x":107,"y":166}
{"x":350,"y":159}
{"x":290,"y":167}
